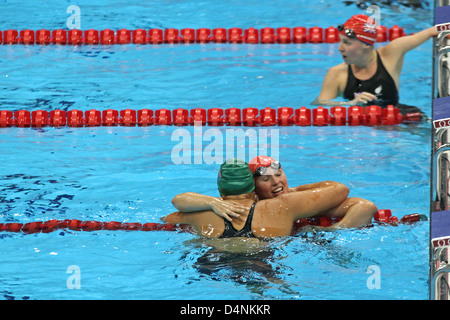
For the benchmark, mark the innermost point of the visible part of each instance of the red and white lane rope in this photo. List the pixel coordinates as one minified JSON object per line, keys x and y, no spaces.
{"x":381,"y":217}
{"x":284,"y":116}
{"x":266,"y":35}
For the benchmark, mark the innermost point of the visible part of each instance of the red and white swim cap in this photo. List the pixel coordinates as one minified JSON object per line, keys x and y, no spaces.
{"x":363,"y":27}
{"x":262,"y":162}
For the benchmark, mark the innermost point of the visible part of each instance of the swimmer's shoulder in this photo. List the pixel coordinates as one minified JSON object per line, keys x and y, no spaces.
{"x":174,"y":218}
{"x":273,"y":206}
{"x":342,"y":67}
{"x":338,"y":76}
{"x":338,"y":70}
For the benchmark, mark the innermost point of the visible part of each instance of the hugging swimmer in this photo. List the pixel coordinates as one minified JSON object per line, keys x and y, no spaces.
{"x":267,"y":218}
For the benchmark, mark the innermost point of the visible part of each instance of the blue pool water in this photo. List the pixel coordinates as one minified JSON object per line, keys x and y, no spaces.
{"x":128,"y":174}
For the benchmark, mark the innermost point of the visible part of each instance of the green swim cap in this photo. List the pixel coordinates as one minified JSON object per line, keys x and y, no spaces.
{"x":235,"y":177}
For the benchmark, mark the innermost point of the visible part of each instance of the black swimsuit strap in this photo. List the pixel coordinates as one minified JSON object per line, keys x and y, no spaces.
{"x":230,"y":231}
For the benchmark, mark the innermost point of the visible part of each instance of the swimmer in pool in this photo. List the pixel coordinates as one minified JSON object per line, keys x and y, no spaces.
{"x":368,"y":76}
{"x":268,"y":184}
{"x":269,"y":217}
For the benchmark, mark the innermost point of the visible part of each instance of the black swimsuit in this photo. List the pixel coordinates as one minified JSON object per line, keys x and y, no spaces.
{"x":230,"y":231}
{"x":380,"y":84}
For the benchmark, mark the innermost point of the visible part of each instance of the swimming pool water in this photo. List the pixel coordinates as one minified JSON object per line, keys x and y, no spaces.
{"x":116,"y":174}
{"x":127,"y":174}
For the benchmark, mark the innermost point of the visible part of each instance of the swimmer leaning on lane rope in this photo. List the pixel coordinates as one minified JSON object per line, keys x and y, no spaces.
{"x":368,"y":76}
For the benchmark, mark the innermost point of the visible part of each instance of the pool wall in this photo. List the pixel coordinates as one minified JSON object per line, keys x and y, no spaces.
{"x":439,"y":212}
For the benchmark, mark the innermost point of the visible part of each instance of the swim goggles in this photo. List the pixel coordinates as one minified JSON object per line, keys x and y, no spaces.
{"x":348,"y":32}
{"x":275,"y":165}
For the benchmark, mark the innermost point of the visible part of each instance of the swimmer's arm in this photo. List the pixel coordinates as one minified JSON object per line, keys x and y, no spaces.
{"x":304,"y":187}
{"x":175,"y":218}
{"x":361,"y":99}
{"x":315,"y":201}
{"x":205,"y":223}
{"x":355,"y":212}
{"x":402,"y":45}
{"x":331,"y":89}
{"x":323,"y":102}
{"x":193,"y":202}
{"x":186,"y":221}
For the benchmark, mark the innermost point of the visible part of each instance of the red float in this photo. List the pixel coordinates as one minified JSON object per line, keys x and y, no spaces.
{"x":356,"y":116}
{"x":332,"y":35}
{"x":302,"y":117}
{"x":180,"y":117}
{"x":339,"y":116}
{"x":139,"y":36}
{"x":22,"y":118}
{"x":59,"y":37}
{"x":235,"y":35}
{"x":128,"y":117}
{"x":321,"y":117}
{"x":391,"y":116}
{"x":123,"y":36}
{"x":299,"y":35}
{"x":91,"y":36}
{"x":110,"y":117}
{"x":75,"y":118}
{"x":107,"y":37}
{"x":26,"y":37}
{"x":6,"y":117}
{"x":75,"y":37}
{"x":283,"y":35}
{"x":171,"y":36}
{"x":373,"y":115}
{"x":43,"y":37}
{"x":163,"y":117}
{"x":395,"y":32}
{"x":382,"y":34}
{"x":203,"y":35}
{"x":57,"y":118}
{"x":285,"y":116}
{"x":187,"y":35}
{"x":155,"y":36}
{"x":11,"y":37}
{"x":145,"y":117}
{"x":267,"y":35}
{"x":93,"y":118}
{"x":249,"y":116}
{"x":267,"y":117}
{"x":251,"y":35}
{"x":219,"y":35}
{"x":315,"y":35}
{"x":233,"y":117}
{"x":198,"y":116}
{"x":39,"y":118}
{"x":215,"y":117}
{"x":385,"y":216}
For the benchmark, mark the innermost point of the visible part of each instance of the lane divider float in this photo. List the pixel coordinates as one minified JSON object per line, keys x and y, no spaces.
{"x":265,"y":35}
{"x":78,"y":225}
{"x":382,"y":217}
{"x":283,"y":116}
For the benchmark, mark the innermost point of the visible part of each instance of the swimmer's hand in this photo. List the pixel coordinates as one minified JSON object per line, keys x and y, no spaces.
{"x":193,"y":202}
{"x":362,"y":98}
{"x":227,"y":209}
